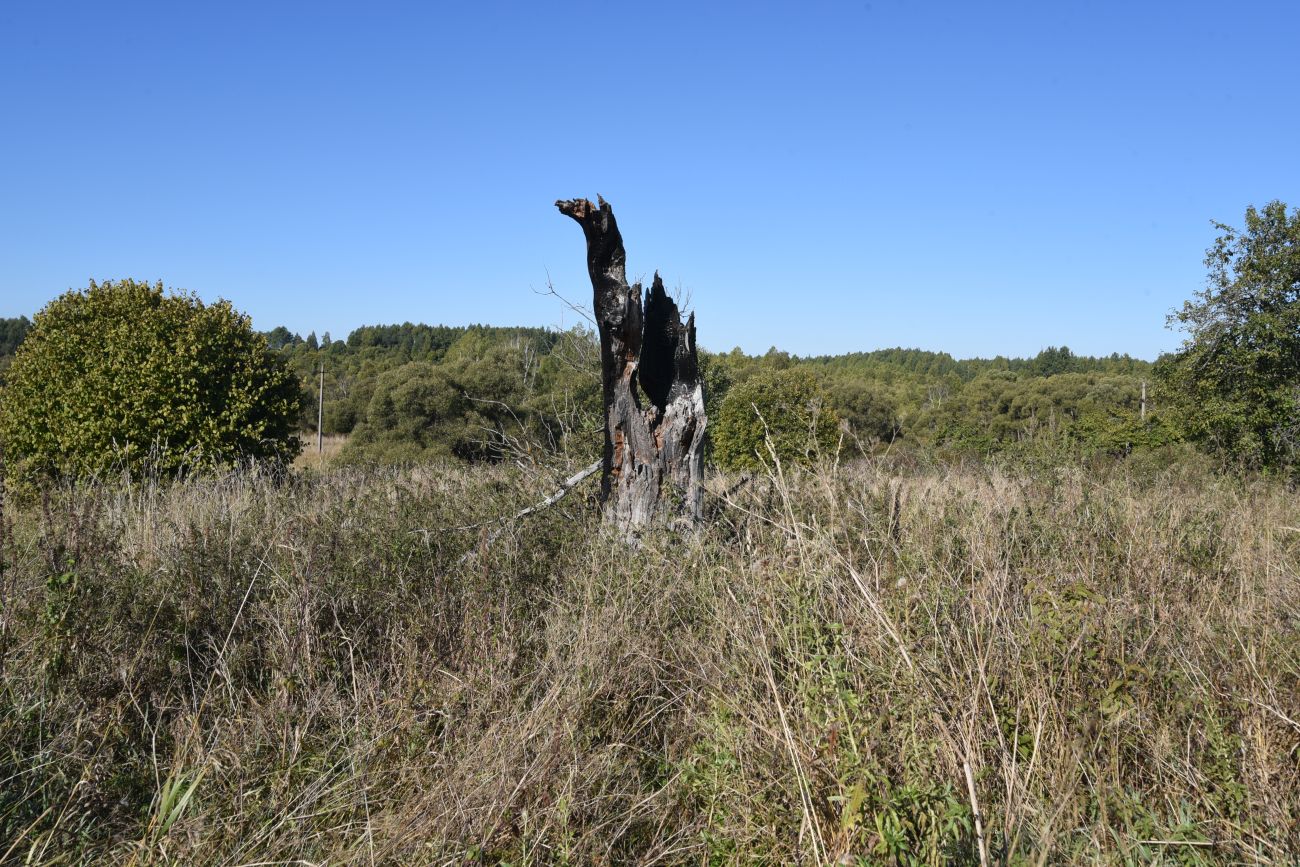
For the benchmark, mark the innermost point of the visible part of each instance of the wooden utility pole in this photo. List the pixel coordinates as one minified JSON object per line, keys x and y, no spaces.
{"x":653,"y":462}
{"x":320,"y":413}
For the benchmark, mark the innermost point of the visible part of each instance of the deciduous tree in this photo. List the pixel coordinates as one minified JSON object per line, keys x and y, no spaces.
{"x":1235,"y":383}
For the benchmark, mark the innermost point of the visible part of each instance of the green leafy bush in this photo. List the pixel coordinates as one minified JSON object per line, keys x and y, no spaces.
{"x":416,"y":412}
{"x":784,"y":408}
{"x":867,"y":409}
{"x":125,"y":375}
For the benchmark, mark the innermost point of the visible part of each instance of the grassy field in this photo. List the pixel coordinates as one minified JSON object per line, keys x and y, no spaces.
{"x":891,"y":662}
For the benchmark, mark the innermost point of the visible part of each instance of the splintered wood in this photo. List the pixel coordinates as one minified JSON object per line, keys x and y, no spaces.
{"x":653,"y":462}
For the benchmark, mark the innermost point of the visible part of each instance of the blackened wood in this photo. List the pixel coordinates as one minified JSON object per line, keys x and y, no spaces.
{"x":653,"y":460}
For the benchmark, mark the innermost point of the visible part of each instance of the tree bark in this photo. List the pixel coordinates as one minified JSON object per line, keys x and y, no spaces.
{"x":653,"y":462}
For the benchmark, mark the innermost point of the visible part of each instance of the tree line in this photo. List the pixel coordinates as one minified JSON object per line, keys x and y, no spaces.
{"x":410,"y":391}
{"x":413,"y":391}
{"x":483,"y":393}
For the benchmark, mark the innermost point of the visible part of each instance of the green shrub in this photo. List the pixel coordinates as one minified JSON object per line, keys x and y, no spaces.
{"x":786,"y":409}
{"x":867,"y":409}
{"x":417,"y":412}
{"x":124,"y":375}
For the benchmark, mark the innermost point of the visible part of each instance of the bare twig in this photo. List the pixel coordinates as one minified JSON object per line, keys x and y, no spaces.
{"x":576,"y":308}
{"x":975,"y":812}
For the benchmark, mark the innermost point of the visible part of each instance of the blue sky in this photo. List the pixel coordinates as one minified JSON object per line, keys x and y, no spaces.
{"x":979,"y":178}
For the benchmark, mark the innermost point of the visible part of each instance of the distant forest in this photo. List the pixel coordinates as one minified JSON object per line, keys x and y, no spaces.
{"x":411,"y":391}
{"x":404,"y":390}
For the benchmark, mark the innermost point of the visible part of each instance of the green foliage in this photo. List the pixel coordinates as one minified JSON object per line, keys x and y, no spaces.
{"x":919,"y":364}
{"x":718,"y":377}
{"x":785,"y":410}
{"x":916,"y":825}
{"x":491,"y":393}
{"x":1235,"y":383}
{"x":280,"y":337}
{"x":416,"y":411}
{"x":12,"y":332}
{"x":1088,"y":411}
{"x":530,"y":390}
{"x":352,"y":367}
{"x":868,"y":409}
{"x":431,"y":342}
{"x":1052,"y":361}
{"x":125,"y":375}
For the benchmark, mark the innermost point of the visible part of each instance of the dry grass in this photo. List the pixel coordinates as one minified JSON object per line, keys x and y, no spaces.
{"x":845,"y":667}
{"x":310,"y":458}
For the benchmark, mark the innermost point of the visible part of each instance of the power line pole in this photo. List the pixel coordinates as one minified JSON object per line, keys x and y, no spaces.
{"x":1142,"y":412}
{"x":320,"y":413}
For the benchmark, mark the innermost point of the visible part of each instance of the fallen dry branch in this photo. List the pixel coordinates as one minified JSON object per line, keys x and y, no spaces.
{"x":568,"y":485}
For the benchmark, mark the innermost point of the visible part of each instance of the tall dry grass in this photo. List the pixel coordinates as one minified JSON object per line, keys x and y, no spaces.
{"x":310,"y":458}
{"x":890,"y":663}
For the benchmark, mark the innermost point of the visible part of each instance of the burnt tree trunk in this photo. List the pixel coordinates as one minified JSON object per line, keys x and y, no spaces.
{"x":653,"y":463}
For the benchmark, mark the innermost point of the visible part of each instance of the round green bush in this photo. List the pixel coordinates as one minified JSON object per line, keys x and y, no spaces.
{"x":781,"y":411}
{"x":127,"y":376}
{"x":417,"y":412}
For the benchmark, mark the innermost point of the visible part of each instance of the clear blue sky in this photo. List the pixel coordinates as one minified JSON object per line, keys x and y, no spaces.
{"x":981,"y":178}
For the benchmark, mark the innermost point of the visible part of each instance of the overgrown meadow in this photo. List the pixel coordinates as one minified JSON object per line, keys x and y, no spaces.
{"x":889,"y":661}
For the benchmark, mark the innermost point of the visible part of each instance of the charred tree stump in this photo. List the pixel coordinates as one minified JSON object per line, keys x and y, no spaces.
{"x":653,"y":463}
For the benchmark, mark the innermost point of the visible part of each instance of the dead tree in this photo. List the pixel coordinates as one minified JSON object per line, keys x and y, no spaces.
{"x":653,"y":463}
